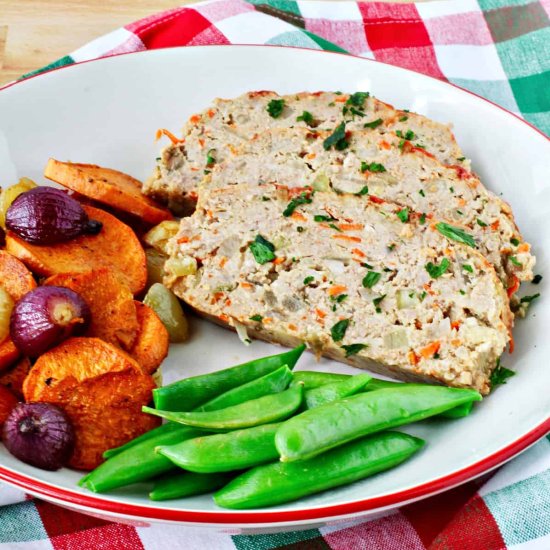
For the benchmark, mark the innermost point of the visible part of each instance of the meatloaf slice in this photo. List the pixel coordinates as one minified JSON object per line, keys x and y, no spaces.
{"x":229,"y":122}
{"x":392,"y":169}
{"x":360,"y":282}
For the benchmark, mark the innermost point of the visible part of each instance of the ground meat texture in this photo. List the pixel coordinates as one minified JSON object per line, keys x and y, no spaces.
{"x":392,"y":169}
{"x":390,"y":294}
{"x":227,"y":123}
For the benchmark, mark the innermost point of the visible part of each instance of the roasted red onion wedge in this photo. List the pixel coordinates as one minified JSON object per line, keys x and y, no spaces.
{"x":46,"y":316}
{"x":39,"y":434}
{"x":47,"y":216}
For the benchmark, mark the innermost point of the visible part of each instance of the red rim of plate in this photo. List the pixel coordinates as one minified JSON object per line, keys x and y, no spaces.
{"x":95,"y":503}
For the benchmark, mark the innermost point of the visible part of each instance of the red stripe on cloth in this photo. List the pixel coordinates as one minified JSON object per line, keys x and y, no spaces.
{"x":175,"y":28}
{"x":114,"y":536}
{"x":388,"y":533}
{"x":397,"y":34}
{"x":60,"y":521}
{"x":473,"y":528}
{"x":421,"y":59}
{"x":430,"y":517}
{"x":389,"y":27}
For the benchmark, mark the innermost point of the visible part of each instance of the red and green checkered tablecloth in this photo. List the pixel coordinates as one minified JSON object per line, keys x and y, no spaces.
{"x":499,"y":49}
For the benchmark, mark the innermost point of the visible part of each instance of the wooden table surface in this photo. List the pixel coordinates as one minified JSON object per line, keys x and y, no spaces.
{"x":34,"y":33}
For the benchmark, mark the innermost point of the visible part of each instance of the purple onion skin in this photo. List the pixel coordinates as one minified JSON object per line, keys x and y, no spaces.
{"x":46,"y":316}
{"x":47,"y":216}
{"x":39,"y":434}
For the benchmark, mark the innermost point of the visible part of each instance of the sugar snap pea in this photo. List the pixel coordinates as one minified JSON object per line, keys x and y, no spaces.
{"x":137,"y":463}
{"x":186,"y":484}
{"x":225,"y":452}
{"x":456,"y":412}
{"x":264,"y":410}
{"x":337,"y":390}
{"x":313,"y":379}
{"x":189,"y":393}
{"x":155,"y":432}
{"x":318,"y":430}
{"x":273,"y":382}
{"x":286,"y":481}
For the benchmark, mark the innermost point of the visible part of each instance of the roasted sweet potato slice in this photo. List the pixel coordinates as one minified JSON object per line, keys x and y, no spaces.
{"x":115,"y":247}
{"x":14,"y":377}
{"x":16,"y":279}
{"x":102,"y":390}
{"x":151,"y":345}
{"x":7,"y":403}
{"x":8,"y":354}
{"x":110,"y":187}
{"x":114,"y":316}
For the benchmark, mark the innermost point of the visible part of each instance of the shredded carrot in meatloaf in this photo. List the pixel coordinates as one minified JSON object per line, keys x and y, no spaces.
{"x":376,"y":200}
{"x":164,"y":132}
{"x":495,"y":225}
{"x":351,"y":226}
{"x":279,"y":260}
{"x":194,"y":119}
{"x":430,"y":350}
{"x":413,"y":358}
{"x":384,"y":145}
{"x":320,"y":313}
{"x":358,"y":252}
{"x":298,"y":216}
{"x":524,"y":247}
{"x":245,"y":284}
{"x":514,"y":286}
{"x":336,"y":289}
{"x":347,"y":238}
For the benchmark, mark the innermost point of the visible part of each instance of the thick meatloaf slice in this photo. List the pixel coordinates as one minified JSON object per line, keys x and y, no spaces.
{"x":229,"y":122}
{"x":392,"y":169}
{"x":360,"y":282}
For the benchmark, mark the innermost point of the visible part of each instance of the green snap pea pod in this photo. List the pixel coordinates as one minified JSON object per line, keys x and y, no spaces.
{"x":318,"y":430}
{"x":137,"y":463}
{"x":225,"y":452}
{"x":337,"y":390}
{"x":457,"y":412}
{"x":187,"y":394}
{"x":313,"y":379}
{"x":286,"y":481}
{"x":274,"y":382}
{"x":263,"y":410}
{"x":186,"y":484}
{"x":155,"y":432}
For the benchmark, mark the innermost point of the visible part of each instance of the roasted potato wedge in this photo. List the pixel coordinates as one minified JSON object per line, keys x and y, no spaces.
{"x":151,"y":346}
{"x":115,"y":247}
{"x":114,"y":316}
{"x":102,"y":390}
{"x":110,"y":187}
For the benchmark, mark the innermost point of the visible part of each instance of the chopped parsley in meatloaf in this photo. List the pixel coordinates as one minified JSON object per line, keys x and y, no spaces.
{"x":408,"y":306}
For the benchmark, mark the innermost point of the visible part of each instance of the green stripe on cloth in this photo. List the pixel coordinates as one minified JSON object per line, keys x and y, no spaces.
{"x":275,"y":540}
{"x":495,"y":4}
{"x":325,"y":44}
{"x":518,"y":56}
{"x":522,"y":509}
{"x":21,"y":523}
{"x":294,"y":38}
{"x":532,"y":92}
{"x":509,"y":22}
{"x":498,"y":91}
{"x":67,"y":60}
{"x":285,"y":5}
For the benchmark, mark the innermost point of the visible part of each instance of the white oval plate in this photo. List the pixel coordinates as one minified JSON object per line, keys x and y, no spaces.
{"x":107,"y":112}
